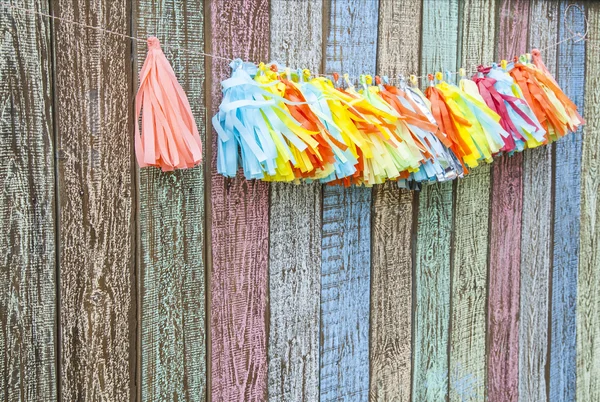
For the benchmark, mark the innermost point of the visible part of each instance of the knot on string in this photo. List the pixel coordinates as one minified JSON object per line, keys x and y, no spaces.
{"x":535,"y":52}
{"x":153,"y":43}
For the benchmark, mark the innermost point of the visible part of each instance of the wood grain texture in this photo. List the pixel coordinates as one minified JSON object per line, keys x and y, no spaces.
{"x":239,"y":227}
{"x":391,"y":264}
{"x":96,"y":227}
{"x":563,"y":348}
{"x":432,"y":260}
{"x":27,"y":205}
{"x":536,"y":229}
{"x":171,"y":220}
{"x":295,"y":231}
{"x":588,"y":297}
{"x":505,"y":233}
{"x":470,"y":242}
{"x":391,"y":294}
{"x":346,"y":249}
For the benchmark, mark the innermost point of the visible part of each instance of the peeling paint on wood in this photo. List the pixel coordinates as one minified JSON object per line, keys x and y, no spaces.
{"x":505,"y":237}
{"x":432,"y":274}
{"x":346,"y":240}
{"x":391,"y":282}
{"x":295,"y":231}
{"x":27,"y":193}
{"x":171,"y":219}
{"x":588,"y":297}
{"x":535,"y":230}
{"x":467,"y":370}
{"x":563,"y":348}
{"x":240,"y":226}
{"x":96,"y":226}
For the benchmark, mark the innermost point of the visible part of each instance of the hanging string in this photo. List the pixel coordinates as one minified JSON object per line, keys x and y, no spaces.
{"x":107,"y":31}
{"x":575,"y":36}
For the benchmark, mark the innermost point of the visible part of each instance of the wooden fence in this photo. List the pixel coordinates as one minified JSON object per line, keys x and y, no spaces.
{"x":126,"y":284}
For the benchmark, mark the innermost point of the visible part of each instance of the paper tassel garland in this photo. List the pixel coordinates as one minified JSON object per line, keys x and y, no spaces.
{"x":283,"y":125}
{"x":169,"y":137}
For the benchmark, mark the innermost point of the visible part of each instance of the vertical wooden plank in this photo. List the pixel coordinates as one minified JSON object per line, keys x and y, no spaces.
{"x":391,"y":282}
{"x":239,"y":227}
{"x":536,"y":228}
{"x":470,"y":242}
{"x":172,"y":226}
{"x":27,"y":242}
{"x":588,"y":297}
{"x":505,"y":233}
{"x":346,"y":248}
{"x":96,"y":197}
{"x":295,"y":231}
{"x":432,"y":274}
{"x":563,"y":348}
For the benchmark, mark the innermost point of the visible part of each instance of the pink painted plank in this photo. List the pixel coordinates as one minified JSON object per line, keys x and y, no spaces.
{"x":240,"y":226}
{"x":505,"y":236}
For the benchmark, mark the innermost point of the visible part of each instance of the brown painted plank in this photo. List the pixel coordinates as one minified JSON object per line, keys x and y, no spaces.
{"x":391,"y":256}
{"x":470,"y":242}
{"x":432,"y":261}
{"x":536,"y":227}
{"x":295,"y":231}
{"x":96,"y":200}
{"x":171,"y":220}
{"x":505,"y":237}
{"x":27,"y":205}
{"x":588,"y":297}
{"x":239,"y":210}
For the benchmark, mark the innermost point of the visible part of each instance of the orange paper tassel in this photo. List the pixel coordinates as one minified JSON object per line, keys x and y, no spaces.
{"x":169,"y":137}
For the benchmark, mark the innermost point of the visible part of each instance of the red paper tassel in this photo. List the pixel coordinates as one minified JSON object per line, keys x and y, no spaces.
{"x":169,"y":137}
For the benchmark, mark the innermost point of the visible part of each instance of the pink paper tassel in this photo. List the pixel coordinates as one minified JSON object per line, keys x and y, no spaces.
{"x":169,"y":137}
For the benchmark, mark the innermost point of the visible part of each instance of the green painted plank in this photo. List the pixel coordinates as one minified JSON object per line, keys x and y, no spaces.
{"x":470,"y":241}
{"x":94,"y":123}
{"x":536,"y":229}
{"x":171,"y":216}
{"x":432,"y":274}
{"x":392,"y":214}
{"x":27,"y":205}
{"x":295,"y":231}
{"x":588,"y":297}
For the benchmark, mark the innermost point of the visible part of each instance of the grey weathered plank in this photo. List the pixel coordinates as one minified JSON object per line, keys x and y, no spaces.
{"x":470,"y":242}
{"x":239,"y":213}
{"x":27,"y":205}
{"x":588,"y":297}
{"x":295,"y":231}
{"x":171,"y":219}
{"x":567,"y":214}
{"x":432,"y":275}
{"x":535,"y":229}
{"x":96,"y":200}
{"x":346,"y":248}
{"x":391,"y":256}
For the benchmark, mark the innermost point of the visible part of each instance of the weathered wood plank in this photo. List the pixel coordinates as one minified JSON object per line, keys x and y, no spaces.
{"x":432,"y":261}
{"x":536,"y":229}
{"x":505,"y":233}
{"x":346,"y":248}
{"x":391,"y":266}
{"x":171,"y":216}
{"x":96,"y":227}
{"x":27,"y":205}
{"x":295,"y":231}
{"x":588,"y":297}
{"x":239,"y":227}
{"x":470,"y":242}
{"x":563,"y":348}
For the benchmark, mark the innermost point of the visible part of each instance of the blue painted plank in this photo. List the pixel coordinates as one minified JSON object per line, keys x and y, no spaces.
{"x":345,"y":283}
{"x":571,"y":72}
